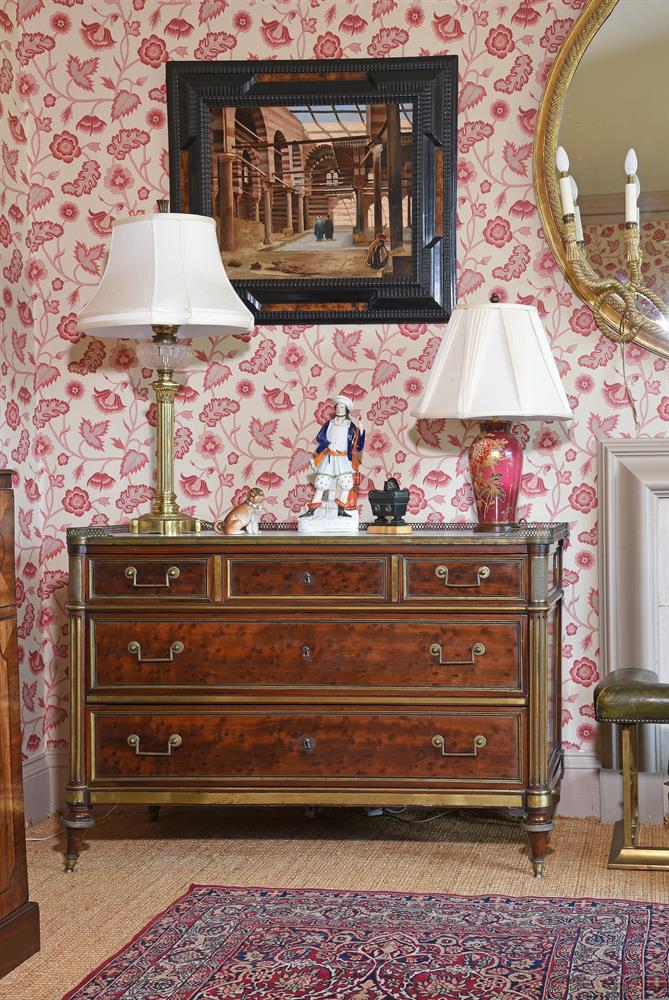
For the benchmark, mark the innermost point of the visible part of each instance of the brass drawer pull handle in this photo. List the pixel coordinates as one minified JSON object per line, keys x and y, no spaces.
{"x":308,"y":578}
{"x":306,"y":652}
{"x":171,"y":573}
{"x":175,"y":647}
{"x":478,"y":649}
{"x":479,"y":743}
{"x":482,"y":573}
{"x":173,"y":742}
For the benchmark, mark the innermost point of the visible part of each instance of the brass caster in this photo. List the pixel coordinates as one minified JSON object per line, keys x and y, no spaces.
{"x":538,"y":869}
{"x":69,"y":864}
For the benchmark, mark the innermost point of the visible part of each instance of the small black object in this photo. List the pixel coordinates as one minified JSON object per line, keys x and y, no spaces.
{"x":342,"y":513}
{"x":389,"y":503}
{"x":308,"y":513}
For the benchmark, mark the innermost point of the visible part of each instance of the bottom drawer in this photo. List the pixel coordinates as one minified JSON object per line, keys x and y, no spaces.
{"x":317,"y":746}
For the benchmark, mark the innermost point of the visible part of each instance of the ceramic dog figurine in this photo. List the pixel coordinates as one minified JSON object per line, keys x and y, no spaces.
{"x":244,"y":517}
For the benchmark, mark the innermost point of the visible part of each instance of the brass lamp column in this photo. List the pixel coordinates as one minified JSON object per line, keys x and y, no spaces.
{"x":164,"y":274}
{"x":165,"y":518}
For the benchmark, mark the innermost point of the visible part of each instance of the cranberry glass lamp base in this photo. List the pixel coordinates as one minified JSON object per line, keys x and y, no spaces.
{"x":495,"y":464}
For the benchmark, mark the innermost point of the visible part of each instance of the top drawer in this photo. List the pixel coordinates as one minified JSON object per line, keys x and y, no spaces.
{"x":464,"y":578}
{"x":307,"y":578}
{"x":138,"y":578}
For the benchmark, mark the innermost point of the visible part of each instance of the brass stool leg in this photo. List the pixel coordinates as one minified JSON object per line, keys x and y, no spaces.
{"x":624,"y":852}
{"x":630,"y":785}
{"x":634,"y":767}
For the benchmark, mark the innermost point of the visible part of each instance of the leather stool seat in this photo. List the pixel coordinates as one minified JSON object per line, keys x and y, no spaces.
{"x":632,"y":695}
{"x":629,"y":697}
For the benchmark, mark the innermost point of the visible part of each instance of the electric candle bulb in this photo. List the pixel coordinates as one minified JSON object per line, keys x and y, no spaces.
{"x":631,"y":163}
{"x":631,"y":213}
{"x":562,"y":160}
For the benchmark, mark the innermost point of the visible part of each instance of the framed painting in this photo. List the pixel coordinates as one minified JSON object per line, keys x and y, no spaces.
{"x":332,"y":183}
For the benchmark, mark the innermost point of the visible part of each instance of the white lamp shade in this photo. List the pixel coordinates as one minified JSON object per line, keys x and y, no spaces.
{"x":164,"y":269}
{"x":494,"y":361}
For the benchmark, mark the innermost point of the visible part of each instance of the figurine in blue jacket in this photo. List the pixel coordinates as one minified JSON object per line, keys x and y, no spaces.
{"x":336,"y":460}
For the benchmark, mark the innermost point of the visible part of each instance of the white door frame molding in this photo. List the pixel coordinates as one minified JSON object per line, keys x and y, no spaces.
{"x":633,"y":480}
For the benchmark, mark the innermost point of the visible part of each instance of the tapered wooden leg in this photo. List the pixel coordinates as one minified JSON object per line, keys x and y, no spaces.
{"x":538,"y":826}
{"x":77,"y":821}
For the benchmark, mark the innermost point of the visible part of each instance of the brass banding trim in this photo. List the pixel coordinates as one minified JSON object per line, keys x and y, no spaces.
{"x":282,"y":796}
{"x":467,"y":701}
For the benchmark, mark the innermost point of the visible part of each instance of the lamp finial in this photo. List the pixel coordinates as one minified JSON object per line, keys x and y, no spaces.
{"x":163,"y":204}
{"x":494,"y":298}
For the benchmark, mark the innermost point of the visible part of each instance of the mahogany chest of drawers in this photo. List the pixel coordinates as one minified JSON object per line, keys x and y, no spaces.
{"x":283,"y":669}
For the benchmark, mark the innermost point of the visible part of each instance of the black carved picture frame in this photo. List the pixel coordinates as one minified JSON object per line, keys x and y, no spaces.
{"x":418,"y":286}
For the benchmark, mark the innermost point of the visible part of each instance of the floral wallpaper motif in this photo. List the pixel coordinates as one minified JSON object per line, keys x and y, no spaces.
{"x":605,"y":246}
{"x":83,"y":139}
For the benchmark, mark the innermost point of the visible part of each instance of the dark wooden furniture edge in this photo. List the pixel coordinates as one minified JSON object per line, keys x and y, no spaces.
{"x":20,"y":936}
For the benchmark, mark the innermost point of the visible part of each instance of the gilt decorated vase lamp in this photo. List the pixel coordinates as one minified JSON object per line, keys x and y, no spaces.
{"x":495,"y":365}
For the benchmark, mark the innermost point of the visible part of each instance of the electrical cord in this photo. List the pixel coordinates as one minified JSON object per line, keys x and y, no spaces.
{"x":52,"y":836}
{"x":396,"y":814}
{"x":416,"y":822}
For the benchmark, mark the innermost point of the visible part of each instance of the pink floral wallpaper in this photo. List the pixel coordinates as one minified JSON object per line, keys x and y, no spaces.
{"x":605,"y":248}
{"x":83,"y":140}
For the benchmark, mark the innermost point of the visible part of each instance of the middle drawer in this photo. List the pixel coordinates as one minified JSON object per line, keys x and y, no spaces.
{"x":242,"y":653}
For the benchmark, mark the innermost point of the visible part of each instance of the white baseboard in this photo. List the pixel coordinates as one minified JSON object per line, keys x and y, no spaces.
{"x":579,"y":792}
{"x":590,"y":790}
{"x":44,"y":779}
{"x":652,"y":797}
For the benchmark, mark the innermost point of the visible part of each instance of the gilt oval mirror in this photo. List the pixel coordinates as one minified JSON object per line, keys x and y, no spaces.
{"x":608,"y":92}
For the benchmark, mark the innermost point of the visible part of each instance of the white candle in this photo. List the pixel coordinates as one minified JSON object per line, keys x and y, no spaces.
{"x":577,"y":211}
{"x":631,"y":214}
{"x":562,"y":163}
{"x":566,"y":196}
{"x":638,"y":192}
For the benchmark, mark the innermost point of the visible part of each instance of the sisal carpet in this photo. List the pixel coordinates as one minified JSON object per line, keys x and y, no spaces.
{"x":217,"y":943}
{"x":131,"y":869}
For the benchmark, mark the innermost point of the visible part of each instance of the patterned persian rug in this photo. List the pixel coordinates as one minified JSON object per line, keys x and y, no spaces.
{"x":316,"y":944}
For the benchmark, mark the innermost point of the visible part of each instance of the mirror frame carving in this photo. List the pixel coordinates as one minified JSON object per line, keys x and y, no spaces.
{"x":610,"y":320}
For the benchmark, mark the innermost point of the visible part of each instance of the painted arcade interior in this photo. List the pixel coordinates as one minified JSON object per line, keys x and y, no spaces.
{"x":313,"y":191}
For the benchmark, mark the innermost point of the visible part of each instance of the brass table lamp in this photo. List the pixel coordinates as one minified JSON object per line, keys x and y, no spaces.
{"x":164,"y":273}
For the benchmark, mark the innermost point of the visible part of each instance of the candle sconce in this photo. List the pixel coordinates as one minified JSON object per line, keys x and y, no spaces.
{"x":570,"y":112}
{"x":622,"y":297}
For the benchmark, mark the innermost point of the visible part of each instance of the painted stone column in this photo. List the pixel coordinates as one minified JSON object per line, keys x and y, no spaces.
{"x":226,"y":201}
{"x":359,"y":210}
{"x":267,"y":196}
{"x":299,"y":218}
{"x":378,"y":207}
